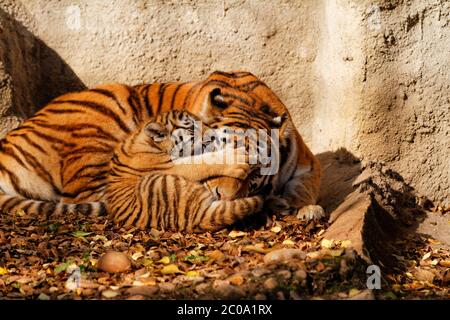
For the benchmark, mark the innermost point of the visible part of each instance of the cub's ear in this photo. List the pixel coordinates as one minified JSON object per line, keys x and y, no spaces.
{"x":157,"y":131}
{"x":217,"y":99}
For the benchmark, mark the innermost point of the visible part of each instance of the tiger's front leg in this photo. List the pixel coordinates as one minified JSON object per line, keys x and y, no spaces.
{"x":210,"y":165}
{"x":202,"y":172}
{"x":299,"y":196}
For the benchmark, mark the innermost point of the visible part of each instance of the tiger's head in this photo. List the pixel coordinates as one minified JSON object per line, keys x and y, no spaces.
{"x":239,"y":100}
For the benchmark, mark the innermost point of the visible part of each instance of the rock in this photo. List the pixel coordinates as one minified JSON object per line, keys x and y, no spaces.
{"x":109,"y":294}
{"x":446,"y":278}
{"x":113,"y":262}
{"x":365,"y":221}
{"x":236,"y":280}
{"x":220,"y":283}
{"x":142,"y":290}
{"x":343,"y":268}
{"x":300,"y":275}
{"x":270,"y":284}
{"x":260,"y":296}
{"x":226,"y":290}
{"x":201,"y":288}
{"x":294,"y":295}
{"x":424,"y":275}
{"x":283,"y":255}
{"x":167,"y":287}
{"x":285,"y":274}
{"x":259,"y":272}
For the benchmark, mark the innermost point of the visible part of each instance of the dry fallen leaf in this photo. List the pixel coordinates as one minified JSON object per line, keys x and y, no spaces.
{"x":276,"y":229}
{"x":109,"y":294}
{"x":100,"y":237}
{"x":43,"y":296}
{"x":254,"y":248}
{"x":136,"y":256}
{"x":432,"y":241}
{"x":170,"y":269}
{"x":353,"y":292}
{"x":20,"y":213}
{"x":288,"y":242}
{"x":444,"y":263}
{"x":148,"y":281}
{"x":426,"y":256}
{"x":216,"y":255}
{"x":164,"y":260}
{"x":107,"y":243}
{"x":325,"y":243}
{"x":237,"y":234}
{"x":192,"y":274}
{"x":336,"y":252}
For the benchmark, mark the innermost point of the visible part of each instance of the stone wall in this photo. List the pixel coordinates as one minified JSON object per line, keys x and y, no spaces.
{"x":369,"y":76}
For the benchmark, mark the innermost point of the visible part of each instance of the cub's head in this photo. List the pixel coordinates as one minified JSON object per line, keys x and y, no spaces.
{"x":157,"y":139}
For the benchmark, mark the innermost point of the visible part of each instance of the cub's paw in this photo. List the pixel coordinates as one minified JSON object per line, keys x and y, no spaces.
{"x":238,"y":171}
{"x":311,"y":212}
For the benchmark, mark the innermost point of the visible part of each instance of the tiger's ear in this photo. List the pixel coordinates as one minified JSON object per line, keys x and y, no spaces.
{"x":156,"y":131}
{"x":217,"y":99}
{"x":279,"y":121}
{"x":282,"y":123}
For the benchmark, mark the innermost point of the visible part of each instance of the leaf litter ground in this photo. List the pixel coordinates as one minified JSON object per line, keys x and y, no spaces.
{"x":287,"y":259}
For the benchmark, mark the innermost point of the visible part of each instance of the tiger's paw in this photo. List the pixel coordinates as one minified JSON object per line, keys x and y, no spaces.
{"x":311,"y":212}
{"x":238,"y":171}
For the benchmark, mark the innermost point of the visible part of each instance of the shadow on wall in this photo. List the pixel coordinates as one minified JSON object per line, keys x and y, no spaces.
{"x":339,"y":170}
{"x":38,"y":74}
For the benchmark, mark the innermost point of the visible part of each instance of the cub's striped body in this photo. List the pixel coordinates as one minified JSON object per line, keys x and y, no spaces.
{"x":63,"y":153}
{"x":146,"y":189}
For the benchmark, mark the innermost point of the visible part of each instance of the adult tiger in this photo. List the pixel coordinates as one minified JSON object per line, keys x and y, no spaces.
{"x":62,"y":154}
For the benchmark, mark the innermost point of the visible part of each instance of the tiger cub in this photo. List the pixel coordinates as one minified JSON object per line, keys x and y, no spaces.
{"x":147,"y":188}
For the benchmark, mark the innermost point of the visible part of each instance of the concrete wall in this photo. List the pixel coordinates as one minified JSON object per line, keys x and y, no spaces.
{"x":370,"y":76}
